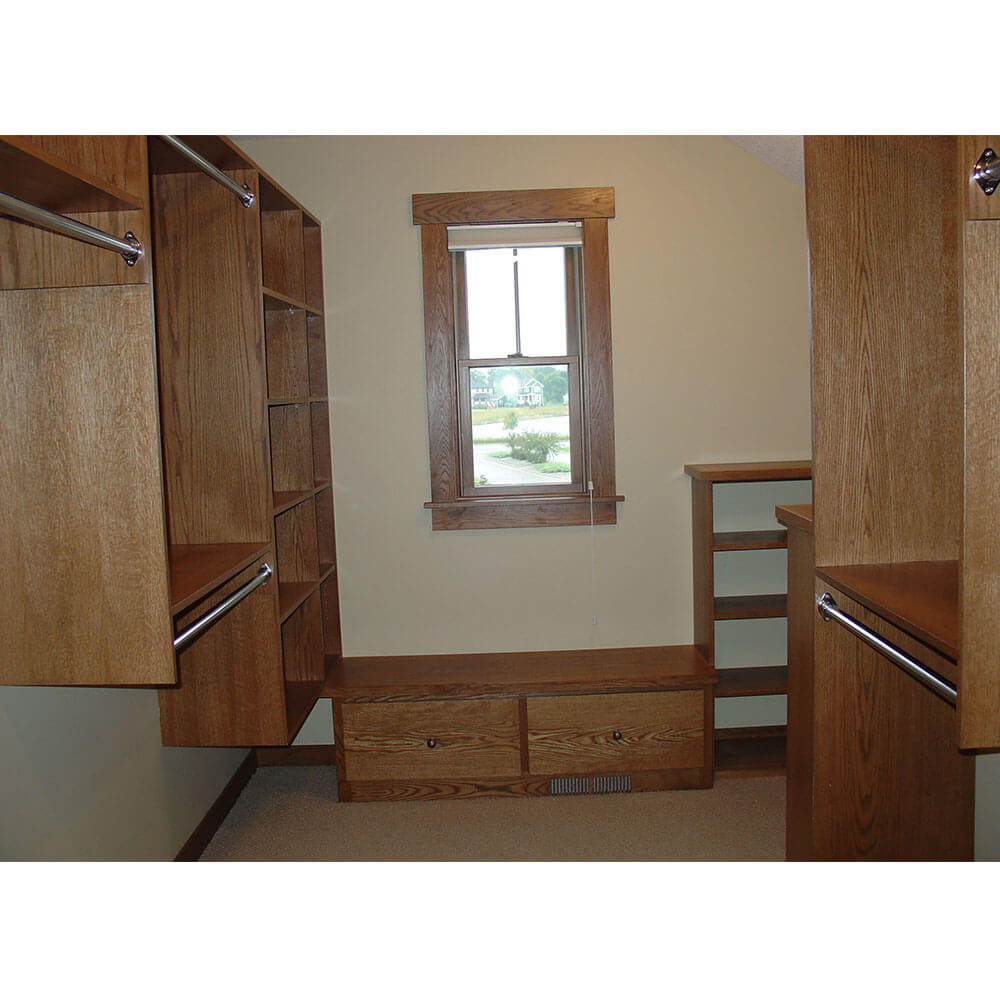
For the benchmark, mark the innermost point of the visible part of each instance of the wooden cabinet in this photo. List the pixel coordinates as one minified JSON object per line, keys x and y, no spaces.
{"x":152,"y":470}
{"x":904,"y":268}
{"x":239,"y":308}
{"x":579,"y":721}
{"x":84,"y":598}
{"x":754,"y":748}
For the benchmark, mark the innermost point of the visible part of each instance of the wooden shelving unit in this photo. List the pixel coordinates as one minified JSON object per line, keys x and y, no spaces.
{"x":246,"y":441}
{"x":754,"y":749}
{"x":86,"y":595}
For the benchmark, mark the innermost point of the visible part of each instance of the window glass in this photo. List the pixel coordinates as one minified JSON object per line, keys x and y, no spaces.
{"x":541,"y":284}
{"x":520,"y":425}
{"x":489,"y":278}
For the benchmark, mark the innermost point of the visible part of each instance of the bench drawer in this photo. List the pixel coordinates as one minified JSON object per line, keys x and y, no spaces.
{"x":617,"y":733}
{"x":385,"y":741}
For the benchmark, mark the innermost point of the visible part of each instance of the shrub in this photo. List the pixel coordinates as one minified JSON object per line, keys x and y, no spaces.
{"x":533,"y":446}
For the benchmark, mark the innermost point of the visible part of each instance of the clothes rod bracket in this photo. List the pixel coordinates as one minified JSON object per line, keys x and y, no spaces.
{"x":128,"y":246}
{"x":245,"y":195}
{"x":986,"y":172}
{"x":828,"y":609}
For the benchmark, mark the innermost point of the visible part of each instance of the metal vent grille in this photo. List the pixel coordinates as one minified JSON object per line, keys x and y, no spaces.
{"x":597,"y":785}
{"x":613,"y":783}
{"x":568,"y":786}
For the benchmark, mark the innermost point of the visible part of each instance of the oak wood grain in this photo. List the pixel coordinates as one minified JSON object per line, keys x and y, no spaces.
{"x":533,"y":512}
{"x":85,"y":597}
{"x":979,"y":688}
{"x":893,"y":783}
{"x":230,"y":678}
{"x":287,"y":353}
{"x":291,"y":447}
{"x":195,"y":570}
{"x":703,"y":566}
{"x":616,"y":733}
{"x":473,"y":675}
{"x":887,"y":352}
{"x":749,"y":472}
{"x":922,"y":598}
{"x":468,"y":739}
{"x":210,"y":330}
{"x":295,"y":544}
{"x":553,"y":205}
{"x":795,"y":515}
{"x":282,"y":252}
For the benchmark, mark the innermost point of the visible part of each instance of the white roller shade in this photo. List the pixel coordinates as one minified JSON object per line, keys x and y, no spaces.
{"x":538,"y":234}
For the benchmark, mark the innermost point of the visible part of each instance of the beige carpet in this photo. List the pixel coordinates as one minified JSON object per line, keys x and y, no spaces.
{"x":292,"y":814}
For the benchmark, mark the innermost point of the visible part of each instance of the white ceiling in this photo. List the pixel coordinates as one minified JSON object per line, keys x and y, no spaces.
{"x":780,"y":152}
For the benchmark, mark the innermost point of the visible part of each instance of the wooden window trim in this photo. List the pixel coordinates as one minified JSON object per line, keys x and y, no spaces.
{"x":449,"y":509}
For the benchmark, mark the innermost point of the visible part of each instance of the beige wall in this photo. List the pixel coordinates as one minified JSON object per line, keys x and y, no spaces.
{"x":711,"y":363}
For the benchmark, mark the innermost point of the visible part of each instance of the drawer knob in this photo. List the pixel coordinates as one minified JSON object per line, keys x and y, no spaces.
{"x":617,"y":734}
{"x":432,"y":743}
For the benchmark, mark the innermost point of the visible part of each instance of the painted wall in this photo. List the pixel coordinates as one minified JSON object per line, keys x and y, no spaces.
{"x":84,"y":777}
{"x":711,"y":363}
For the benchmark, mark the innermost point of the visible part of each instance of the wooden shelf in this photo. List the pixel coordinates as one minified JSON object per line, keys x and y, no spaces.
{"x":751,"y":606}
{"x":795,"y":515}
{"x":31,"y":173}
{"x":741,"y":541}
{"x":743,"y":682}
{"x":751,"y":750}
{"x":287,"y":499}
{"x":750,"y":472}
{"x":919,"y":597}
{"x":196,"y":570}
{"x":468,"y":675}
{"x":280,"y":302}
{"x":291,"y":596}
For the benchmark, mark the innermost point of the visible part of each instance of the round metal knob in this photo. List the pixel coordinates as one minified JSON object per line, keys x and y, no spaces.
{"x":617,"y":734}
{"x":432,"y":743}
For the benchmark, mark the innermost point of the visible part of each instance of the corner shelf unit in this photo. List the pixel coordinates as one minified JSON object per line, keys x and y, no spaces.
{"x":757,"y":748}
{"x":246,"y":431}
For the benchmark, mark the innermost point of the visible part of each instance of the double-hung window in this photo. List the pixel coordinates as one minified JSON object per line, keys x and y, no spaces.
{"x":517,"y":326}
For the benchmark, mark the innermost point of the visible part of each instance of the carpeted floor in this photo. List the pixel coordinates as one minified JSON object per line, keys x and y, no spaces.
{"x":292,"y":814}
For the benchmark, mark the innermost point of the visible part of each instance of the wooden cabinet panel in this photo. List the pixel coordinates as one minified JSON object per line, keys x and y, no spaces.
{"x":85,"y":598}
{"x":443,"y":739}
{"x":889,"y":781}
{"x":651,"y":730}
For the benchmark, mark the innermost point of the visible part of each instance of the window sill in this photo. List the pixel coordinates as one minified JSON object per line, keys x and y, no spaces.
{"x":522,"y":512}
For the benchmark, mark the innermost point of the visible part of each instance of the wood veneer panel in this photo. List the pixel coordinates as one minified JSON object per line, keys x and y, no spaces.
{"x":795,"y":515}
{"x":750,"y":751}
{"x":281,"y":240}
{"x":31,"y":257}
{"x":887,"y":352}
{"x":600,"y":388}
{"x":68,"y":174}
{"x":744,"y":541}
{"x":750,"y":606}
{"x":439,"y":314}
{"x":329,"y":595}
{"x":893,"y":784}
{"x":84,"y":598}
{"x":195,"y":570}
{"x":920,"y":597}
{"x":749,"y":472}
{"x":322,"y":460}
{"x":979,"y":687}
{"x":639,"y":668}
{"x":554,"y":205}
{"x":291,"y":448}
{"x":287,"y":353}
{"x":212,"y":365}
{"x":702,"y":542}
{"x":230,"y":690}
{"x":802,"y":616}
{"x":470,"y":739}
{"x":742,"y":682}
{"x":295,"y":541}
{"x":657,"y":730}
{"x":317,"y":356}
{"x":312,"y":247}
{"x":978,"y":205}
{"x":302,"y":644}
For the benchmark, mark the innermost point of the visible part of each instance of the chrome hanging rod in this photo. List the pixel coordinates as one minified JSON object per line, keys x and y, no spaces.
{"x":986,"y":172}
{"x":209,"y":618}
{"x":241,"y":191}
{"x":128,"y":246}
{"x":828,"y":609}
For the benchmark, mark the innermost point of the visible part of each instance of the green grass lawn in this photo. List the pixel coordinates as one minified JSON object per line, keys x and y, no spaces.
{"x":523,"y":413}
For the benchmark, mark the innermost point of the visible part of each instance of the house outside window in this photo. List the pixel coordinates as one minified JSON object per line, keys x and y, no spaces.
{"x":517,"y":328}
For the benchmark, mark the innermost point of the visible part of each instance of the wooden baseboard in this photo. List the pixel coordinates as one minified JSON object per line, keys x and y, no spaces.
{"x":311,"y":755}
{"x":219,"y":810}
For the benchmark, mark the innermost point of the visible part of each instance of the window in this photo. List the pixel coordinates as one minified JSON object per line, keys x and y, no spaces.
{"x":518,"y":337}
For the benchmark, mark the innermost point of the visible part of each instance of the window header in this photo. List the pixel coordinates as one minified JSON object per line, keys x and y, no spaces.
{"x":543,"y":234}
